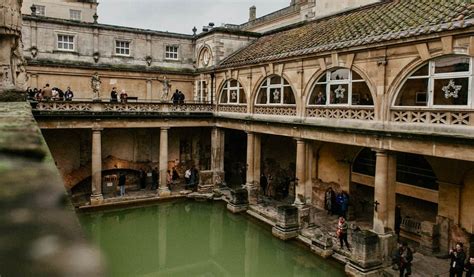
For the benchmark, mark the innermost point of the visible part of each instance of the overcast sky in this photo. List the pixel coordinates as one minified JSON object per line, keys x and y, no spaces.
{"x":181,"y":15}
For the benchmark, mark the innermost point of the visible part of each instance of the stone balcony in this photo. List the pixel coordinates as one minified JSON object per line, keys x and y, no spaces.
{"x":413,"y":121}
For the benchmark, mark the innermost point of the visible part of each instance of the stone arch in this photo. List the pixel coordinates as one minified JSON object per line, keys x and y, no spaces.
{"x":320,"y":73}
{"x":221,"y":87}
{"x":411,"y":67}
{"x":201,"y":51}
{"x":256,"y":89}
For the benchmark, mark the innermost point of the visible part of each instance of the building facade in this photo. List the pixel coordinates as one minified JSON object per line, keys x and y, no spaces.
{"x":377,"y":101}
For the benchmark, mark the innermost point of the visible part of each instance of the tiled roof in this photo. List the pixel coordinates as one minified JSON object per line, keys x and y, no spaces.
{"x":377,"y":23}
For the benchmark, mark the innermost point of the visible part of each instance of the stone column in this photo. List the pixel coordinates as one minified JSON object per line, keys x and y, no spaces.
{"x":96,"y":196}
{"x":217,"y":156}
{"x":384,"y":194}
{"x":300,"y":171}
{"x":253,"y":193}
{"x":163,"y":190}
{"x":257,"y":154}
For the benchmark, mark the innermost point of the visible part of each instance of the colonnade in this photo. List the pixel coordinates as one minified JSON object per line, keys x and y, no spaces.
{"x":306,"y":170}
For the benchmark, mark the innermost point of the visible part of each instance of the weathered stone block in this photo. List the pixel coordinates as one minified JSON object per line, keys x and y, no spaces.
{"x":322,"y":244}
{"x":429,"y":243}
{"x":238,"y":201}
{"x":287,"y":226}
{"x":366,"y":254}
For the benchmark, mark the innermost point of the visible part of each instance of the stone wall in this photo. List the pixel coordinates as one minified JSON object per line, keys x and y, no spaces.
{"x":61,"y":8}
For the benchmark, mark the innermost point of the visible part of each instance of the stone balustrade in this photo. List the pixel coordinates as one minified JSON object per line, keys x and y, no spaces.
{"x":363,"y":113}
{"x":432,"y":116}
{"x":285,"y":110}
{"x":232,"y":108}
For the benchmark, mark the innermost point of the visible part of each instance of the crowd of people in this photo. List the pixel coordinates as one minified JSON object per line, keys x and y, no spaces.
{"x":48,"y":93}
{"x":336,"y":203}
{"x":148,"y":179}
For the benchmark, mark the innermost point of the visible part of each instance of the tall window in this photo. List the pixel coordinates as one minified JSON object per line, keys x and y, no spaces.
{"x":40,"y":10}
{"x":75,"y":14}
{"x":232,"y":93}
{"x":66,"y":42}
{"x":122,"y":47}
{"x":275,"y":90}
{"x":442,"y":82}
{"x":341,"y":87}
{"x":171,"y":52}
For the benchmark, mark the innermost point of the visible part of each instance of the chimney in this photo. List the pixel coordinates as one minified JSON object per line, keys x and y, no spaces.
{"x":252,"y":13}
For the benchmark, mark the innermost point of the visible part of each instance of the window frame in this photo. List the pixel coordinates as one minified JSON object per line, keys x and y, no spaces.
{"x":124,"y":48}
{"x":167,"y":52}
{"x":227,"y":88}
{"x":266,"y":84}
{"x":69,"y":43}
{"x":79,"y":12}
{"x":42,"y":8}
{"x":432,"y":77}
{"x":349,"y":81}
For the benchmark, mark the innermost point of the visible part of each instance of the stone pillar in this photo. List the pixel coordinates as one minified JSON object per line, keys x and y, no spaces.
{"x":149,"y":95}
{"x":309,"y":173}
{"x":366,"y":259}
{"x":252,"y":190}
{"x":257,"y":155}
{"x":238,"y":200}
{"x":217,"y":156}
{"x":384,"y":194}
{"x":164,"y":190}
{"x":96,"y":196}
{"x":300,"y":172}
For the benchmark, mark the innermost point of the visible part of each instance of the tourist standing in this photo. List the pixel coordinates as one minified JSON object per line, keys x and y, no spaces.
{"x":341,"y":233}
{"x":458,"y":256}
{"x":344,"y":204}
{"x":175,"y":97}
{"x":142,"y":179}
{"x":169,"y":179}
{"x":69,"y":94}
{"x":329,"y":200}
{"x":123,"y":96}
{"x":470,"y":266}
{"x":405,"y":256}
{"x":175,"y":175}
{"x":398,"y":220}
{"x":263,"y":184}
{"x":187,"y":176}
{"x":114,"y":95}
{"x":181,"y":97}
{"x":60,"y":94}
{"x":47,"y":93}
{"x":122,"y":181}
{"x":154,"y":178}
{"x":194,"y":178}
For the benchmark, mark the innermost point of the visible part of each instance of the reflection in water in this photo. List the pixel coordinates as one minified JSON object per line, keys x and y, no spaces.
{"x":196,"y":239}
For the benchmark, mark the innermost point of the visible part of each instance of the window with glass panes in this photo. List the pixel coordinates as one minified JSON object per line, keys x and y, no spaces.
{"x":341,"y":87}
{"x":66,"y":42}
{"x":75,"y":14}
{"x":122,"y":47}
{"x":233,"y":93}
{"x":275,"y":90}
{"x":171,"y":52}
{"x":40,"y":10}
{"x":442,"y":82}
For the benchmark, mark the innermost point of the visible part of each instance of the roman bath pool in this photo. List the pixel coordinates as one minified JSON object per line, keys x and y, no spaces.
{"x":188,"y":238}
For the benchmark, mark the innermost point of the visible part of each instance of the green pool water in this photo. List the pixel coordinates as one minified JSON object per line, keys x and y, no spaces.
{"x":187,"y":238}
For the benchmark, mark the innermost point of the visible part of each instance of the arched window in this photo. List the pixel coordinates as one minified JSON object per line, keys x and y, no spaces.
{"x":442,"y":82}
{"x":232,"y":93}
{"x":341,"y":87}
{"x":275,"y":90}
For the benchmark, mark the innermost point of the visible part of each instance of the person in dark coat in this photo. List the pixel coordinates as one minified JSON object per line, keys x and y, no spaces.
{"x":405,"y":257}
{"x":329,"y":200}
{"x":142,"y":179}
{"x":122,"y":181}
{"x":114,"y":95}
{"x":263,"y":184}
{"x":154,"y":178}
{"x":456,"y":267}
{"x":194,"y":178}
{"x":470,"y":266}
{"x":181,"y":97}
{"x":398,"y":220}
{"x":175,"y":97}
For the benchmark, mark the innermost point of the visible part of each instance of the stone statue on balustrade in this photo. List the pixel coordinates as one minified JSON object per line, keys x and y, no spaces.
{"x":95,"y":85}
{"x":166,"y":89}
{"x":12,"y":64}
